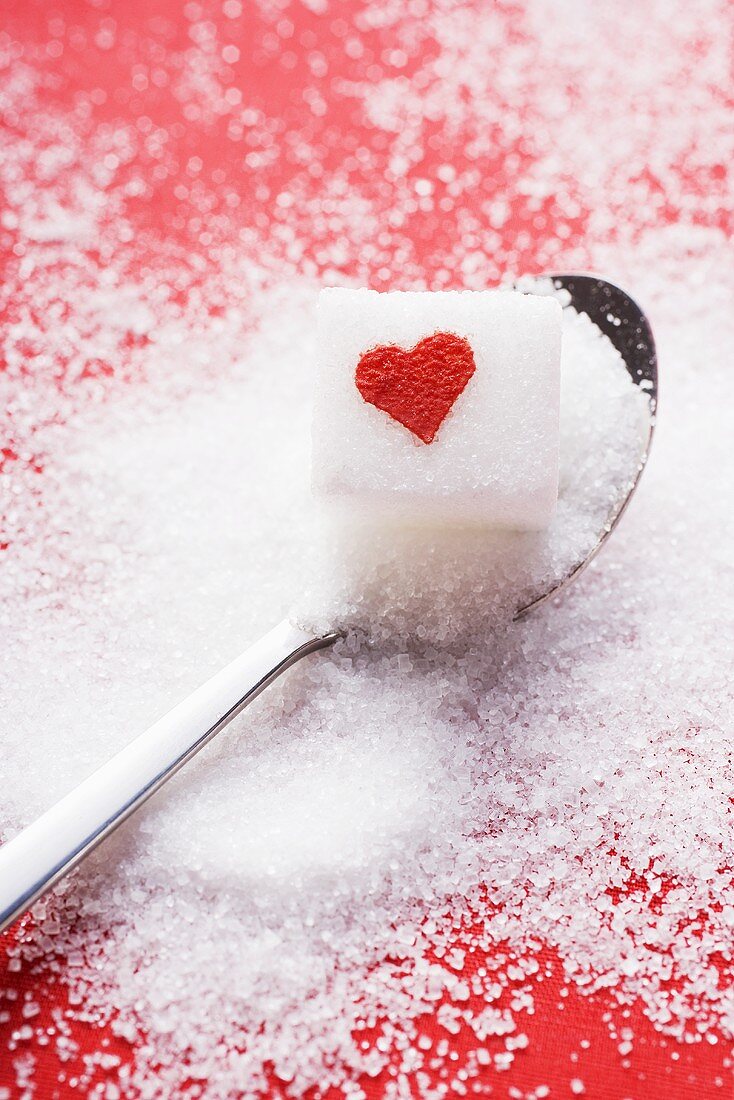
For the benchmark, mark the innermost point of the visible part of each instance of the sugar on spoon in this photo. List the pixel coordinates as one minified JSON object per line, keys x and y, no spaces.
{"x":50,"y":847}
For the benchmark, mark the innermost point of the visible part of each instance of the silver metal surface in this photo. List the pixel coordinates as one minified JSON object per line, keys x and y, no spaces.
{"x":621,"y":320}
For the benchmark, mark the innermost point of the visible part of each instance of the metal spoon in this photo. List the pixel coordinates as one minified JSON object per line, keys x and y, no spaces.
{"x":50,"y":847}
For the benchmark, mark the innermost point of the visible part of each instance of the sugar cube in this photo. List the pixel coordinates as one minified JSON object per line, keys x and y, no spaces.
{"x":438,"y":407}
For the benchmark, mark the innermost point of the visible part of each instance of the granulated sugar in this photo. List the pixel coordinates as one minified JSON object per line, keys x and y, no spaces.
{"x":331,"y":867}
{"x":305,"y":877}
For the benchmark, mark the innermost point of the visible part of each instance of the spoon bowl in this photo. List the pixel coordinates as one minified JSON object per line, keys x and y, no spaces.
{"x":621,"y":320}
{"x":57,"y":841}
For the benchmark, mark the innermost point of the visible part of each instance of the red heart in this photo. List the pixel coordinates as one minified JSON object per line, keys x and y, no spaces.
{"x":417,"y":387}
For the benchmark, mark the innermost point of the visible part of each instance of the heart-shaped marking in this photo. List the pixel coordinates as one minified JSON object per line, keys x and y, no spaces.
{"x":417,"y":387}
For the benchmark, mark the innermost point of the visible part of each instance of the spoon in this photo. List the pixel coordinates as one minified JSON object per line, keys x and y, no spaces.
{"x":57,"y":841}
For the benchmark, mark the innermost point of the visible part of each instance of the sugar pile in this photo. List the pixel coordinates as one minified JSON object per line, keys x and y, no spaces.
{"x":306,"y":875}
{"x":333,"y":867}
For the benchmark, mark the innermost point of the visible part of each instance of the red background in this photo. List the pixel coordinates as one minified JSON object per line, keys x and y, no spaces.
{"x":200,"y":194}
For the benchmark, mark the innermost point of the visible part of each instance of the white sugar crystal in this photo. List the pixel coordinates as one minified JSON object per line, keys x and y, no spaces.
{"x":494,"y":460}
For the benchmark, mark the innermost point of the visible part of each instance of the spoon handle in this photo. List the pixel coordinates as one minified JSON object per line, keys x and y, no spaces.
{"x":47,"y":849}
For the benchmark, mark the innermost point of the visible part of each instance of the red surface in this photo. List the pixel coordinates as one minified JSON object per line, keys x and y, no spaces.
{"x":419,"y":386}
{"x":191,"y":178}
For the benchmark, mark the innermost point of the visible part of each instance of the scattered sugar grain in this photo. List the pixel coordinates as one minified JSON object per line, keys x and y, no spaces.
{"x":598,"y":738}
{"x":367,"y":789}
